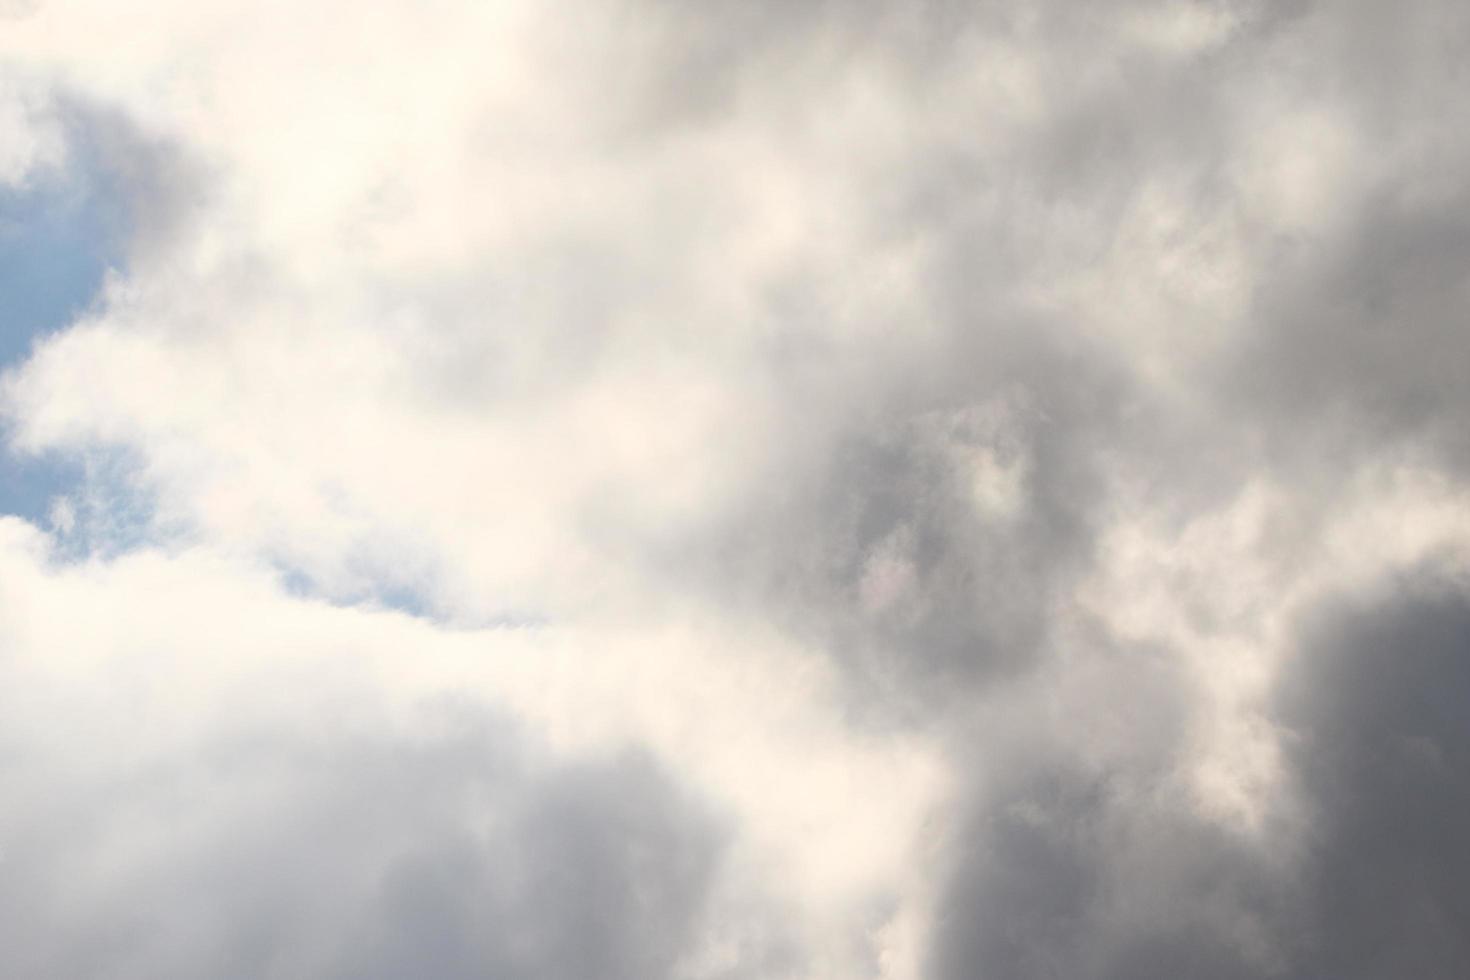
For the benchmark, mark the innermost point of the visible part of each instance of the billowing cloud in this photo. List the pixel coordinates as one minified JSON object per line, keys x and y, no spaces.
{"x":920,"y":490}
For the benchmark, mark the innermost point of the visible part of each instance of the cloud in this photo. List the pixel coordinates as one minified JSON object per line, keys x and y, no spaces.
{"x":359,"y":856}
{"x":1104,"y":862}
{"x":1380,"y":745}
{"x":744,"y":489}
{"x":190,"y":794}
{"x":200,"y":723}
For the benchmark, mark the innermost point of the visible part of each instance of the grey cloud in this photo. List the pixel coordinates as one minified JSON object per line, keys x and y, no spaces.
{"x":1352,"y":351}
{"x":859,"y":473}
{"x":1067,"y":870}
{"x":152,"y":186}
{"x":1081,"y":854}
{"x":1355,"y":344}
{"x":262,"y":853}
{"x":882,"y":546}
{"x":1364,"y":350}
{"x":1375,"y":701}
{"x":1073,"y":878}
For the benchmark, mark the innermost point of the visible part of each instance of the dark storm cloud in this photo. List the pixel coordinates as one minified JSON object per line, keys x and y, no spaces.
{"x":457,"y":854}
{"x":1068,"y":874}
{"x":1375,"y":701}
{"x":1067,"y":871}
{"x":1067,"y":860}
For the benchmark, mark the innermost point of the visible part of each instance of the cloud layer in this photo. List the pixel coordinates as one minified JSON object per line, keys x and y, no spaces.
{"x":634,"y":489}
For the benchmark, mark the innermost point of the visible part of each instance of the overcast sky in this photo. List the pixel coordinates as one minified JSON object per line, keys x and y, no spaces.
{"x":735,"y":489}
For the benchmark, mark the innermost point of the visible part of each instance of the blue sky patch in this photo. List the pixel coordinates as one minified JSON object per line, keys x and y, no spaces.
{"x":59,"y":235}
{"x":29,"y":484}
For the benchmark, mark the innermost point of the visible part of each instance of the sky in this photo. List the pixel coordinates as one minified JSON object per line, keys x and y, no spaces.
{"x":736,"y":489}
